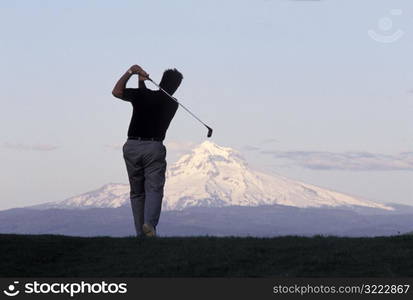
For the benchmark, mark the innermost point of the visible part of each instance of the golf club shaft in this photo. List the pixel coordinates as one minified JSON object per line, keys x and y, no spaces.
{"x":170,"y":96}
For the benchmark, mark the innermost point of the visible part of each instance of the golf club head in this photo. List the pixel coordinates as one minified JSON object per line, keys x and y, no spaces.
{"x":209,"y":131}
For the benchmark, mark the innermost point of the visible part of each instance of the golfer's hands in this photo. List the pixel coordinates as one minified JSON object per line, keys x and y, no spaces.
{"x":135,"y":69}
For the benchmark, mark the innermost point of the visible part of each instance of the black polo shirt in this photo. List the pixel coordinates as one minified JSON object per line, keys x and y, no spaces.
{"x":153,"y":111}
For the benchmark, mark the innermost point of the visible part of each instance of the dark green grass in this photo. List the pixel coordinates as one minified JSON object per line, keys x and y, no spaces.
{"x":54,"y":255}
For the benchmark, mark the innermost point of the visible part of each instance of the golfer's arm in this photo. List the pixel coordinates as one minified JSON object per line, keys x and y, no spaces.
{"x":121,"y":85}
{"x":142,"y":84}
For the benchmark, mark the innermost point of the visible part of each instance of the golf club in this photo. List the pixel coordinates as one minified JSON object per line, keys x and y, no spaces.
{"x":209,"y":128}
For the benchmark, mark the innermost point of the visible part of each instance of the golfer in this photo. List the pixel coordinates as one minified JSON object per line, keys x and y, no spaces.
{"x":144,"y":151}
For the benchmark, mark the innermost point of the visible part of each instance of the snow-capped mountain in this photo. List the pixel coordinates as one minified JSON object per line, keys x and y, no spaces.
{"x":215,"y":176}
{"x":219,"y":176}
{"x":110,"y":195}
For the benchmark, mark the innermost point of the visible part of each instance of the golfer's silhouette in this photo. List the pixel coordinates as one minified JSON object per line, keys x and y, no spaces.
{"x":144,"y":151}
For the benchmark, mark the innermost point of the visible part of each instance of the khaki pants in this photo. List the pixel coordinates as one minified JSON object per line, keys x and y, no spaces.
{"x":146,"y":166}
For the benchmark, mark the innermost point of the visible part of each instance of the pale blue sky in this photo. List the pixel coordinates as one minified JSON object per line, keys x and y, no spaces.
{"x":304,"y":74}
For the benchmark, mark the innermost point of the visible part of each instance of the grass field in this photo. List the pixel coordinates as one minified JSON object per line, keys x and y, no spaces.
{"x":63,"y":256}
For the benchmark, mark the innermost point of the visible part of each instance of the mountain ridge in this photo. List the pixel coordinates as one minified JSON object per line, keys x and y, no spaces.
{"x":214,"y":176}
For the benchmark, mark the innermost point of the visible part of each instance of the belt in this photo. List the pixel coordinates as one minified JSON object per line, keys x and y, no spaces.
{"x":144,"y":138}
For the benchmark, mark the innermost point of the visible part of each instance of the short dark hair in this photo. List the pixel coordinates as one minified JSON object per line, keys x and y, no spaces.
{"x":171,"y":80}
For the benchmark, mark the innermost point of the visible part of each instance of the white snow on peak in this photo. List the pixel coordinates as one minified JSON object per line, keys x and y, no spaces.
{"x":214,"y":176}
{"x":206,"y":160}
{"x":110,"y":195}
{"x":218,"y":176}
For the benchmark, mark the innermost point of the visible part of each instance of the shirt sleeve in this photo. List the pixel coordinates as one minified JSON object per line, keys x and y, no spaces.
{"x":131,"y":95}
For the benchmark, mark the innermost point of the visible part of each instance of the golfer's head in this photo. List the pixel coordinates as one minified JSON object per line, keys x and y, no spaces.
{"x":171,"y":80}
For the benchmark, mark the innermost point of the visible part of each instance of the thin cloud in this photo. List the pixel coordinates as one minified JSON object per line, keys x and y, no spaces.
{"x":269,"y":141}
{"x":352,"y":161}
{"x":250,"y":148}
{"x":27,"y":147}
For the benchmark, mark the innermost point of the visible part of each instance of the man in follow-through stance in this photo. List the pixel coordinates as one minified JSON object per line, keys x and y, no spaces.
{"x":144,"y":151}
